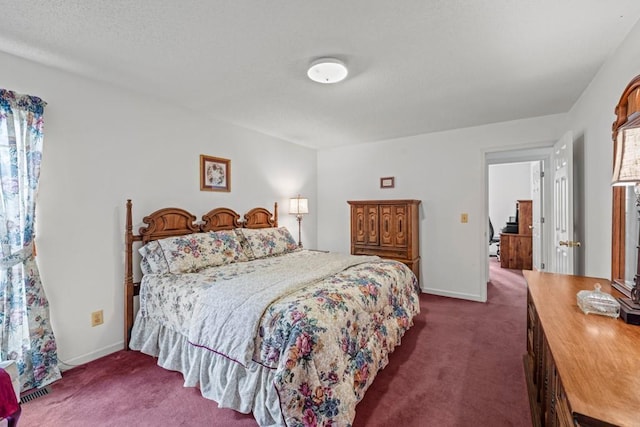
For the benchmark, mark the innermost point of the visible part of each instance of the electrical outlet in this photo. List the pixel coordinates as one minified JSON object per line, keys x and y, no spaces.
{"x":96,"y":318}
{"x":464,"y":218}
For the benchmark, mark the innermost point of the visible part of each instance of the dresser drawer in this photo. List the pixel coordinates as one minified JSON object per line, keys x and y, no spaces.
{"x":381,"y":252}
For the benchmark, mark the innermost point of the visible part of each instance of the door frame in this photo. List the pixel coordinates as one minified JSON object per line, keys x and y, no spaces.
{"x":507,"y":155}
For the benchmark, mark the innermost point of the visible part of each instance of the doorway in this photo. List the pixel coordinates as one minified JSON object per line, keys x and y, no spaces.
{"x":513,"y":175}
{"x":512,"y":186}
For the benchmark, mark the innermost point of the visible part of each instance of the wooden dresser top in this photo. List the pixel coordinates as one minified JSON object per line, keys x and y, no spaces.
{"x":384,"y":202}
{"x":597,"y":357}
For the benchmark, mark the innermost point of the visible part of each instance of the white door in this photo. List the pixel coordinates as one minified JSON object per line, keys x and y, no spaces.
{"x":536,"y":232}
{"x":564,"y":244}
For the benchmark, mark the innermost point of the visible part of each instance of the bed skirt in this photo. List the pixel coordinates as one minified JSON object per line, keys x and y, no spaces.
{"x":231,"y":385}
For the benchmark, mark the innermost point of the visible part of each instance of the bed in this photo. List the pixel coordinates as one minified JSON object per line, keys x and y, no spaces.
{"x":294,"y":336}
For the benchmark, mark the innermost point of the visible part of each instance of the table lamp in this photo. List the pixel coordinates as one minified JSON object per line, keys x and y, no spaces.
{"x":299,"y":206}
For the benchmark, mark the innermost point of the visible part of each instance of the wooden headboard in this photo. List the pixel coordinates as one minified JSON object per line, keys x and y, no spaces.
{"x":170,"y":222}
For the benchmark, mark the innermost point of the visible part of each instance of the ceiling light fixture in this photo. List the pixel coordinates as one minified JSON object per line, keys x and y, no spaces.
{"x":327,"y":70}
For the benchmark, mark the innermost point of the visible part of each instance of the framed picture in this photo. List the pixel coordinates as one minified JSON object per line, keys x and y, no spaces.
{"x":215,"y":174}
{"x":387,"y":182}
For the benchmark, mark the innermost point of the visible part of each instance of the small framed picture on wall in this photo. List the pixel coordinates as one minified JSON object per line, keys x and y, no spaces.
{"x":215,"y":174}
{"x":387,"y":182}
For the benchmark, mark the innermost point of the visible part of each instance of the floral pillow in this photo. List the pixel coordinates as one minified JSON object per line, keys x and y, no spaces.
{"x":227,"y":245}
{"x":263,"y":242}
{"x":153,"y":260}
{"x":193,"y":252}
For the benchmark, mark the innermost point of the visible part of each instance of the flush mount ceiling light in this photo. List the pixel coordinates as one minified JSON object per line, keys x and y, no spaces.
{"x":327,"y":70}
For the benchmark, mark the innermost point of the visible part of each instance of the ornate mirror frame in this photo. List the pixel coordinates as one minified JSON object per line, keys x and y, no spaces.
{"x":628,"y":105}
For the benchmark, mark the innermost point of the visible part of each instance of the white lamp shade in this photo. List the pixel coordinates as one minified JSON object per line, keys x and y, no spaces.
{"x":626,"y":168}
{"x":298,"y":205}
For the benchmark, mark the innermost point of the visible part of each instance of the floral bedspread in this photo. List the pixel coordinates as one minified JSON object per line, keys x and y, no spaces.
{"x":238,"y":304}
{"x":320,"y":345}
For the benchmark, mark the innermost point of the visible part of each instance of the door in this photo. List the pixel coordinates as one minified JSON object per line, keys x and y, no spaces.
{"x":358,"y":225}
{"x":364,"y":224}
{"x":564,"y":243}
{"x":386,"y":226}
{"x":372,"y":224}
{"x":537,"y":224}
{"x":393,"y":231}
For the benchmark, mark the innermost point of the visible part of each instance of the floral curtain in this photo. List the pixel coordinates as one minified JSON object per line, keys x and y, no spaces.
{"x":26,"y":335}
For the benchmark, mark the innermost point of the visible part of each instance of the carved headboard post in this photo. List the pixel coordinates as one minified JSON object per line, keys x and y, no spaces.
{"x":128,"y":238}
{"x":130,"y":288}
{"x":275,"y":214}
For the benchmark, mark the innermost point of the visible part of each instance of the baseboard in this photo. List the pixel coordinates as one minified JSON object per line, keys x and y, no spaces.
{"x":459,"y":295}
{"x":88,"y":357}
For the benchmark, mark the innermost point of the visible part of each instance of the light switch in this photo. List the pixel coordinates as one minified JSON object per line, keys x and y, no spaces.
{"x":464,"y":218}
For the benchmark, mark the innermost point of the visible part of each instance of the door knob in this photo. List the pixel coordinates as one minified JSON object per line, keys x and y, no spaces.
{"x":569,"y":243}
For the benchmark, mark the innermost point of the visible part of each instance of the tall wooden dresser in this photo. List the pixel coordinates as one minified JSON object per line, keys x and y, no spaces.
{"x":581,"y":369}
{"x":516,"y":250}
{"x":387,"y":228}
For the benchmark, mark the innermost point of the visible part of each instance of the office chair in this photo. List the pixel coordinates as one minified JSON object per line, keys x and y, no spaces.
{"x":494,"y":239}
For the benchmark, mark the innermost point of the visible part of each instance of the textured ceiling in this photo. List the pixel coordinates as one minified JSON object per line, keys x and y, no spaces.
{"x":415,"y":66}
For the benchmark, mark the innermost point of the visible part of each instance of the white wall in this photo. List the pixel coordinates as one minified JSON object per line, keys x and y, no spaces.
{"x":445,"y":171}
{"x":590,"y":119}
{"x":508,"y":183}
{"x":102,"y":146}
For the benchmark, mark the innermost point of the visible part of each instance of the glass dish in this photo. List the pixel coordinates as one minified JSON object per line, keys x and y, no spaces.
{"x":598,"y":302}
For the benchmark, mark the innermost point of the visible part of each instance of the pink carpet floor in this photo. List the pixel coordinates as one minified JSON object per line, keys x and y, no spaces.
{"x":460,"y":365}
